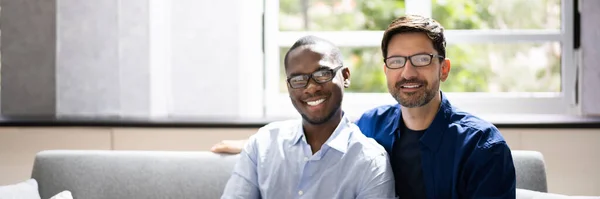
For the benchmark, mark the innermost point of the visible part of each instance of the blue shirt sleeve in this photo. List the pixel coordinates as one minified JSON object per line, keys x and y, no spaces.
{"x":243,"y":183}
{"x":378,"y":179}
{"x":490,"y":172}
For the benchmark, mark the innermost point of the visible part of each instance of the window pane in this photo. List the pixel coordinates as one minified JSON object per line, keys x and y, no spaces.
{"x":494,"y":67}
{"x":337,"y":15}
{"x":503,"y":67}
{"x":494,"y":14}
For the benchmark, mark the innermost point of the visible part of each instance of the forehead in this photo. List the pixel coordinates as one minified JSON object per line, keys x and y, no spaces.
{"x":307,"y":59}
{"x":405,"y":44}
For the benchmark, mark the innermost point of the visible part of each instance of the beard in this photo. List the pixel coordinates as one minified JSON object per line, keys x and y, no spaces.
{"x":414,"y":99}
{"x":320,"y":118}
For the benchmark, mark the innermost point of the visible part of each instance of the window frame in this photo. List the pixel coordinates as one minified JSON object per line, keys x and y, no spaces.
{"x":278,"y":104}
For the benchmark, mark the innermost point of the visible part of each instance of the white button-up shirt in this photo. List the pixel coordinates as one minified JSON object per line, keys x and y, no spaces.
{"x":278,"y":163}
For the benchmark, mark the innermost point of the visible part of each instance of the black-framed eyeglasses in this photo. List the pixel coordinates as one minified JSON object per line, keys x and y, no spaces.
{"x":417,"y":60}
{"x":320,"y":76}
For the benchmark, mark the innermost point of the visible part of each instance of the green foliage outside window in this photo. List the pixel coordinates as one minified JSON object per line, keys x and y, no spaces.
{"x":481,"y":67}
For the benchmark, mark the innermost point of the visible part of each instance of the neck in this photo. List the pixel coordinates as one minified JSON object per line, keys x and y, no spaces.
{"x":419,"y":118}
{"x":317,"y":134}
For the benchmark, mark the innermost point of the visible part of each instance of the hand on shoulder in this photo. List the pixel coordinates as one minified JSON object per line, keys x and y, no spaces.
{"x":229,"y":146}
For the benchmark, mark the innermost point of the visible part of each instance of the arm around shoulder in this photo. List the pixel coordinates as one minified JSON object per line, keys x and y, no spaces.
{"x":378,"y":179}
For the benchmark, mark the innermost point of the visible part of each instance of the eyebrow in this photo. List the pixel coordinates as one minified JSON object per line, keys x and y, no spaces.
{"x":422,"y":52}
{"x":324,"y":68}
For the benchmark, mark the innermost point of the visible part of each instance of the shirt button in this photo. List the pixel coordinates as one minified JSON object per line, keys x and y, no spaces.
{"x":300,"y":193}
{"x":305,"y":158}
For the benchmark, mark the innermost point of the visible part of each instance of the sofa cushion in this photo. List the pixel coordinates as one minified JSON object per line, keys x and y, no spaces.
{"x":23,"y":190}
{"x":27,"y":190}
{"x":63,"y":195}
{"x":132,"y":174}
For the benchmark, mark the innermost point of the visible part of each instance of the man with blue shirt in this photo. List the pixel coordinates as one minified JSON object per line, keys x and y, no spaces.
{"x":324,"y":155}
{"x":436,"y":150}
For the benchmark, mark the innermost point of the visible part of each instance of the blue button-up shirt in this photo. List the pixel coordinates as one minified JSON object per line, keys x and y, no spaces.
{"x":462,"y":155}
{"x":278,"y":163}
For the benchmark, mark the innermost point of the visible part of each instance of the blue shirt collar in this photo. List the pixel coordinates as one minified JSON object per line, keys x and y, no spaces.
{"x":434,"y":133}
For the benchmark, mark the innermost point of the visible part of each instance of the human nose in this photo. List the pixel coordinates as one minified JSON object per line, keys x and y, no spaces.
{"x":409,"y":71}
{"x":312,"y":86}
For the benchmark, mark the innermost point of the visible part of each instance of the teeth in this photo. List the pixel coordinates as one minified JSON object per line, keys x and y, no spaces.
{"x":314,"y":103}
{"x":412,"y":86}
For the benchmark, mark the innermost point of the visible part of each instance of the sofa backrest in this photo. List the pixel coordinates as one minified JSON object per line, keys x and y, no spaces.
{"x":160,"y":174}
{"x":132,"y":174}
{"x":530,"y":170}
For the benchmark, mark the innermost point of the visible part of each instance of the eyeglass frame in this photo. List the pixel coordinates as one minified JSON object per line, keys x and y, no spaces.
{"x":409,"y":59}
{"x":311,"y":76}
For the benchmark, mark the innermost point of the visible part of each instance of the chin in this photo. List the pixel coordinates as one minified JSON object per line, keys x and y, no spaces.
{"x":316,"y":120}
{"x":413,"y":104}
{"x":415,"y":100}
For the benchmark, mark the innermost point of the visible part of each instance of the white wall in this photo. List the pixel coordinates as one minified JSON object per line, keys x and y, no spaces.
{"x":590,"y":57}
{"x":132,"y":58}
{"x":211,"y":42}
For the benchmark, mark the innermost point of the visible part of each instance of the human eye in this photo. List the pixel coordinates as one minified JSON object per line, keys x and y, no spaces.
{"x":298,"y":81}
{"x":396,"y":62}
{"x":421,"y":59}
{"x":322,"y":75}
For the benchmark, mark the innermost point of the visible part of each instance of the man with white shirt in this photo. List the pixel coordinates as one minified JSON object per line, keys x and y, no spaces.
{"x":324,"y":155}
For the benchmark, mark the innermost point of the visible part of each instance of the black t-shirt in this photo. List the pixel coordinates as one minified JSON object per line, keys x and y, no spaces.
{"x":406,"y":163}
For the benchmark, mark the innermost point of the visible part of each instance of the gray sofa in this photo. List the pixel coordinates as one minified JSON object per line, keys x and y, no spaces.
{"x":162,"y":174}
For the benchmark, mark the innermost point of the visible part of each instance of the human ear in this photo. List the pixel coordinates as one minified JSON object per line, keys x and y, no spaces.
{"x":445,"y":69}
{"x":346,"y":76}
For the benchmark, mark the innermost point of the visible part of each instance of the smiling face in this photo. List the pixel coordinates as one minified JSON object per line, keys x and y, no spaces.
{"x":316,"y":102}
{"x":414,"y":86}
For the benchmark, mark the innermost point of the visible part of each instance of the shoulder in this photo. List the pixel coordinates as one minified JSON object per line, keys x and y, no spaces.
{"x":378,"y":112}
{"x":482,"y":144}
{"x":278,"y":130}
{"x":282,"y":125}
{"x":368,"y":149}
{"x":368,"y":159}
{"x":474,"y":130}
{"x":377,"y":117}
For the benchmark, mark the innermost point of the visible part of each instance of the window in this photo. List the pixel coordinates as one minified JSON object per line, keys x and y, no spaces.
{"x":512,"y":56}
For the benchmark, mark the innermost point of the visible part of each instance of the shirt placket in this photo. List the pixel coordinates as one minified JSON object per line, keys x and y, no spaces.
{"x":306,"y":172}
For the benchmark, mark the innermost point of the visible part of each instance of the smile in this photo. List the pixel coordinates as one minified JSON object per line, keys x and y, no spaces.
{"x":315,"y":102}
{"x":411,"y":86}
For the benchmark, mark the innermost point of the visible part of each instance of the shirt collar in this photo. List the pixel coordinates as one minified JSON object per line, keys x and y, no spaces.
{"x":338,"y":139}
{"x":434,"y":133}
{"x":298,"y":134}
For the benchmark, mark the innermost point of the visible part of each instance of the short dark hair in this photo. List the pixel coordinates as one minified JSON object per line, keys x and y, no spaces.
{"x":333,"y":53}
{"x":415,"y":23}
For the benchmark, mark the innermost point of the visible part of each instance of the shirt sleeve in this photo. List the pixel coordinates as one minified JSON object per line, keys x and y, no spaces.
{"x":378,"y":179}
{"x":491,"y":172}
{"x":243,"y":183}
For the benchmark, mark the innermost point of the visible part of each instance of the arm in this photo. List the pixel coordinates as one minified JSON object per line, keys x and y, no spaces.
{"x":243,"y":182}
{"x":378,"y":179}
{"x":490,"y":173}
